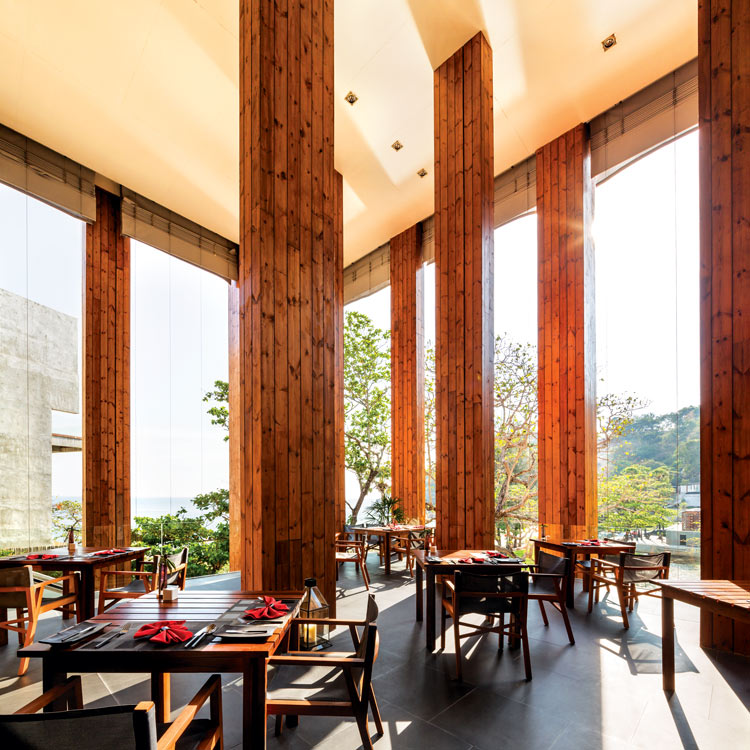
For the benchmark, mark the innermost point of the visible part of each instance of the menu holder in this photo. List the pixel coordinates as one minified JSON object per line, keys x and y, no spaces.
{"x":78,"y":633}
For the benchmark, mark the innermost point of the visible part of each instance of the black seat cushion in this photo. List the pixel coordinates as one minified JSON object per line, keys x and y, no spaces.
{"x":136,"y":586}
{"x":308,"y":683}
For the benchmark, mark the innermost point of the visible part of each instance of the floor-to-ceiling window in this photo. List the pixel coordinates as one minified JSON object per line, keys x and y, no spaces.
{"x":179,"y":375}
{"x":41,"y":262}
{"x":430,"y":434}
{"x":647,"y":328}
{"x":515,"y":303}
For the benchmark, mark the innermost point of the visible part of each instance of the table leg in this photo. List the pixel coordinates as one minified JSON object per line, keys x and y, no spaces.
{"x":667,"y":643}
{"x":86,"y":592}
{"x":254,"y":705}
{"x":67,"y":610}
{"x":52,"y":677}
{"x":3,"y":631}
{"x":420,"y":603}
{"x":161,"y":696}
{"x":430,"y":607}
{"x":387,"y":543}
{"x":570,"y":593}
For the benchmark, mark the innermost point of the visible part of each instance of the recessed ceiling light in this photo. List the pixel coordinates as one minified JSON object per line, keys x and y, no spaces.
{"x":609,"y":42}
{"x":351,"y":97}
{"x":397,"y":145}
{"x":422,"y":172}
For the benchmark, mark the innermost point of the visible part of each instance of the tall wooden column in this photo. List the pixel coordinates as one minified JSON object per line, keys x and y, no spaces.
{"x":106,"y":379}
{"x":464,"y":172}
{"x":724,"y":104}
{"x":289,"y":297}
{"x":407,"y":372}
{"x":567,"y":348}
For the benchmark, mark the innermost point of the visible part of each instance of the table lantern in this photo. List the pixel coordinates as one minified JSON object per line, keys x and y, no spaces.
{"x":313,"y":637}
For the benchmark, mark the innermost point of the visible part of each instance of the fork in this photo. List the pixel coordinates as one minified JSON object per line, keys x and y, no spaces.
{"x":107,"y":638}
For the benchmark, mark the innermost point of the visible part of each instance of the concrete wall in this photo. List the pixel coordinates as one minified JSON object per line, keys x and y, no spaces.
{"x":38,"y":373}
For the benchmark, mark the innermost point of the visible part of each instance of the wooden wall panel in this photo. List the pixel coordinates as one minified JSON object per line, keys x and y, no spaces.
{"x":106,"y":378}
{"x":566,"y":348}
{"x":724,"y":110}
{"x":290,"y":295}
{"x":464,"y":172}
{"x":407,"y":372}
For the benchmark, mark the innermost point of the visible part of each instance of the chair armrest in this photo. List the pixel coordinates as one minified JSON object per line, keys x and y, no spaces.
{"x":136,"y":573}
{"x":450,"y":585}
{"x":604,"y":563}
{"x":71,"y":687}
{"x":321,"y":621}
{"x":43,"y":585}
{"x":319,"y":661}
{"x":548,"y":575}
{"x":185,"y":717}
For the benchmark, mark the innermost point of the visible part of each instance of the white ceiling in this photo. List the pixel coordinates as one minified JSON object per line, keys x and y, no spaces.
{"x":145,"y":92}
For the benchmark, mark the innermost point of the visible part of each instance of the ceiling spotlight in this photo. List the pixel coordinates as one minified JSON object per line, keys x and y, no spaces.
{"x":422,"y":172}
{"x":397,"y":145}
{"x":351,"y":97}
{"x":609,"y":42}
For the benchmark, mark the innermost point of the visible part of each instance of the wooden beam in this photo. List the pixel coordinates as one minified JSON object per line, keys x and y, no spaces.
{"x":106,"y":379}
{"x":290,"y":291}
{"x":724,"y":111}
{"x":464,"y":247}
{"x":566,"y":349}
{"x":407,"y":372}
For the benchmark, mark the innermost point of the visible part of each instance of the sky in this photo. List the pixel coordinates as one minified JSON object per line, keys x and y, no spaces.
{"x":646,"y":257}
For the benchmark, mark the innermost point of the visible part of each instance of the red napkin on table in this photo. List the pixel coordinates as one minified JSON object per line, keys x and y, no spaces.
{"x":495,"y":553}
{"x":464,"y":560}
{"x":109,"y":552}
{"x":273,"y":608}
{"x":164,"y":631}
{"x":42,"y":557}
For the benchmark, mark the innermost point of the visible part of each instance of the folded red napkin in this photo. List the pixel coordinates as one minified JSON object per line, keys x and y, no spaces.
{"x":164,"y":631}
{"x":464,"y":560}
{"x":109,"y":552}
{"x":42,"y":557}
{"x":495,"y":553}
{"x":273,"y":608}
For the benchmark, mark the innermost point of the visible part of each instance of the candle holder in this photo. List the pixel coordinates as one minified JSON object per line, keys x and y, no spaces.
{"x":313,"y":636}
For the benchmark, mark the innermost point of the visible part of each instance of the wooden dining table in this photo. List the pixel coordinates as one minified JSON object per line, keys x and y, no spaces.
{"x":124,"y":654}
{"x":722,"y":597}
{"x":386,"y":533}
{"x":448,"y":564}
{"x":574,"y":549}
{"x":86,"y":561}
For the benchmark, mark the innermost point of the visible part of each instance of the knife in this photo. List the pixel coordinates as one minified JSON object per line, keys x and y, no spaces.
{"x":81,"y":633}
{"x":107,"y":638}
{"x":201,"y":635}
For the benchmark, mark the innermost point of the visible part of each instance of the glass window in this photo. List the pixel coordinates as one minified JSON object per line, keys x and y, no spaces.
{"x":647,"y":328}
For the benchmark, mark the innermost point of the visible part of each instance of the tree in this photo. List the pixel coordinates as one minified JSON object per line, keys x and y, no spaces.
{"x":367,"y":405}
{"x":636,"y":499}
{"x":219,"y":412}
{"x":429,"y":427}
{"x":67,"y":514}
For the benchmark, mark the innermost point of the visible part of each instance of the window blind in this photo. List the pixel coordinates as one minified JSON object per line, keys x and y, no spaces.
{"x":515,"y":191}
{"x":151,"y":223}
{"x":368,"y":274}
{"x":42,"y":173}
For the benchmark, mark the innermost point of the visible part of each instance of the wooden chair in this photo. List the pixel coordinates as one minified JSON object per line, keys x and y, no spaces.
{"x":31,"y":600}
{"x":492,"y":594}
{"x":625,"y":575}
{"x":143,"y":581}
{"x":329,"y":683}
{"x":117,"y":726}
{"x":407,"y":545}
{"x":584,"y":566}
{"x":352,"y":552}
{"x":549,"y":583}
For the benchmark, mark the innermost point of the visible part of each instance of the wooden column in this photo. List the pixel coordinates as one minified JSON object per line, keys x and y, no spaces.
{"x":338,"y":427}
{"x":106,"y":379}
{"x":724,"y":104}
{"x":464,"y":171}
{"x":289,"y":296}
{"x":567,"y":347}
{"x":407,"y":372}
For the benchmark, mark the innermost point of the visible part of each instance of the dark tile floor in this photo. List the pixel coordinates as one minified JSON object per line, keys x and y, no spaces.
{"x":603,"y":693}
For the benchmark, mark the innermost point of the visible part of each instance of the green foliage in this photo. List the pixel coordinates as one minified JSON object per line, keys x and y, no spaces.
{"x":430,"y":425}
{"x":636,"y":498}
{"x":67,"y":514}
{"x":367,"y":405}
{"x":386,"y":510}
{"x":219,"y":412}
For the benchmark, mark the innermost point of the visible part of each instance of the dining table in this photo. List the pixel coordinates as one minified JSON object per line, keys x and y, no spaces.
{"x":431,"y":566}
{"x":85,"y":561}
{"x":385,"y":533}
{"x":123,"y":653}
{"x":574,"y":549}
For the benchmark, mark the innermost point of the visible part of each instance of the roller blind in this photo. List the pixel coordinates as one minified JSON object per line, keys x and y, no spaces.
{"x":515,"y":191}
{"x":42,"y":173}
{"x":650,"y":118}
{"x":148,"y":222}
{"x":368,"y":274}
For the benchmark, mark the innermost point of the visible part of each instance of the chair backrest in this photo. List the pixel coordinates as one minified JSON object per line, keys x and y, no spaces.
{"x":22,"y":576}
{"x":177,"y":561}
{"x":120,"y":727}
{"x":470,"y":585}
{"x":630,"y":560}
{"x":371,"y":617}
{"x":418,"y":538}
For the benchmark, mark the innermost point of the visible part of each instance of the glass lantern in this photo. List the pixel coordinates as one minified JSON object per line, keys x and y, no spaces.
{"x":313,"y":637}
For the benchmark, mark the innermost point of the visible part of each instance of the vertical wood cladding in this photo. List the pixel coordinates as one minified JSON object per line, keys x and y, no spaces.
{"x":724,"y":111}
{"x":106,"y":378}
{"x":464,"y":172}
{"x":407,"y":372}
{"x":566,"y":350}
{"x":290,"y":275}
